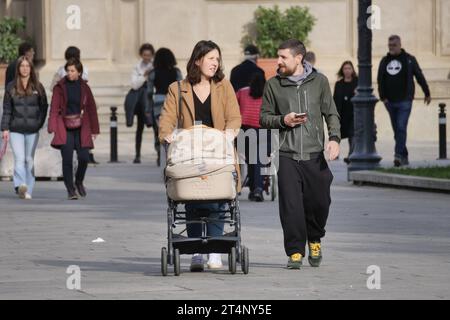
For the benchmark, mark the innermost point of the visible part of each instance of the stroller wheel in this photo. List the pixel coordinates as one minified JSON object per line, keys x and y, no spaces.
{"x":164,"y":261}
{"x":232,"y":261}
{"x":244,"y":260}
{"x":176,"y":262}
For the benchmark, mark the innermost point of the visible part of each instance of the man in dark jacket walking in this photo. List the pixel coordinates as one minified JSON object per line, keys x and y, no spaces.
{"x":25,"y":49}
{"x":241,"y":74}
{"x":396,"y":89}
{"x":295,"y":102}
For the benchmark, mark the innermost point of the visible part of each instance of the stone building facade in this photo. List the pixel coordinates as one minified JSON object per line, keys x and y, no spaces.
{"x":109,"y":33}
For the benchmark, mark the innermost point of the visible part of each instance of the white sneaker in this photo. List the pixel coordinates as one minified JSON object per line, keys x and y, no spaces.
{"x":197,"y":263}
{"x":27,"y":196}
{"x":215,"y":261}
{"x":22,"y":191}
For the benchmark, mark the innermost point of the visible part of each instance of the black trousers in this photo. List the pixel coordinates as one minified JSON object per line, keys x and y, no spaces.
{"x":254,"y":168}
{"x":351,"y":145}
{"x":74,"y":143}
{"x":157,"y":144}
{"x":304,"y":201}
{"x":140,"y":128}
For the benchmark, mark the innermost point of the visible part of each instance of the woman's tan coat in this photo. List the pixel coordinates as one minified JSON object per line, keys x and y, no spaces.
{"x":224,"y":109}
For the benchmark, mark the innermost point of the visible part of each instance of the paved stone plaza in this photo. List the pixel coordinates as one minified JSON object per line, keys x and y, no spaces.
{"x":405,"y":233}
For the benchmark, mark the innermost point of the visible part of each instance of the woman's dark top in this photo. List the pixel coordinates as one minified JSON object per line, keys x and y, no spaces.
{"x":73,"y":97}
{"x":203,"y":110}
{"x":343,"y":93}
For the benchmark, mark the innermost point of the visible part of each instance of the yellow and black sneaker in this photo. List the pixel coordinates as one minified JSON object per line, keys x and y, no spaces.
{"x":295,"y":261}
{"x":315,"y":254}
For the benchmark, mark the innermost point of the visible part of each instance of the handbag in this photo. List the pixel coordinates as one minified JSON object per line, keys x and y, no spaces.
{"x":72,"y":121}
{"x":131,"y":100}
{"x":3,"y":147}
{"x":144,"y":104}
{"x":137,"y":99}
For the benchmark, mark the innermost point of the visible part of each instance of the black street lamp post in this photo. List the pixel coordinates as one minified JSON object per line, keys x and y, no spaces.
{"x":364,"y":156}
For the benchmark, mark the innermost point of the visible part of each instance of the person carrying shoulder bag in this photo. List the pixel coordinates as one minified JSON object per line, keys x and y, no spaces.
{"x":74,"y":122}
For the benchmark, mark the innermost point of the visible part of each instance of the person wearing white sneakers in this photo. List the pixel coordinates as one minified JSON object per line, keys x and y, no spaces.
{"x":214,"y":229}
{"x":209,"y":99}
{"x":198,"y":264}
{"x":24,"y":112}
{"x":214,"y":261}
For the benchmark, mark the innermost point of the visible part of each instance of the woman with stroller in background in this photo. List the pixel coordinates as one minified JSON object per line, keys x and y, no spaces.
{"x":250,"y":100}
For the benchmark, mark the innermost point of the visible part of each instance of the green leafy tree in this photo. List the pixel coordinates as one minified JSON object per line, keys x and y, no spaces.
{"x":9,"y":38}
{"x":271,"y":27}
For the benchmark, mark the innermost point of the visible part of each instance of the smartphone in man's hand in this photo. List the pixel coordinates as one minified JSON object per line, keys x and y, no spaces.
{"x":300,"y":115}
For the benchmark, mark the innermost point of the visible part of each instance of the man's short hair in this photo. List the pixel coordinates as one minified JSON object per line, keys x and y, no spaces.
{"x":295,"y":46}
{"x":310,"y":56}
{"x":72,"y":52}
{"x":251,"y":50}
{"x":395,"y":37}
{"x":146,"y":47}
{"x":24,"y":48}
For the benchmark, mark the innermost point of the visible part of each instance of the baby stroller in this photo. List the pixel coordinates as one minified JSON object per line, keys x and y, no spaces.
{"x":270,"y":181}
{"x":201,"y":169}
{"x":268,"y":170}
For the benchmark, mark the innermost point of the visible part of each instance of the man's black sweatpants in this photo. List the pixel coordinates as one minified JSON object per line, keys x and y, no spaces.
{"x":304,"y":201}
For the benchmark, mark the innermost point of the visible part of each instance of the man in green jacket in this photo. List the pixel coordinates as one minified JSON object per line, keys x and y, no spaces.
{"x":295,"y":102}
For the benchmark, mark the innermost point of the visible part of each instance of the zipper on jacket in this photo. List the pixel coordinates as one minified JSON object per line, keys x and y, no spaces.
{"x":306,"y":101}
{"x":306,"y":106}
{"x":301,"y":126}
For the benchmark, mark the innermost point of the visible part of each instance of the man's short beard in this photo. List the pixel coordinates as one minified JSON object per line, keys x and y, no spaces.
{"x":287,"y":73}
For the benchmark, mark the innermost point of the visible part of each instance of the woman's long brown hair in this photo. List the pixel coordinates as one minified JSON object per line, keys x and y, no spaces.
{"x":33,"y":83}
{"x":340,"y":73}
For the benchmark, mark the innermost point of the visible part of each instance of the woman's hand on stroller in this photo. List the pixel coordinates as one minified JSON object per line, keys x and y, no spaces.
{"x":171,"y":137}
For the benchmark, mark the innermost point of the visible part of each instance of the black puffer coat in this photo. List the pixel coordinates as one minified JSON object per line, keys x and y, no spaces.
{"x":24,"y":114}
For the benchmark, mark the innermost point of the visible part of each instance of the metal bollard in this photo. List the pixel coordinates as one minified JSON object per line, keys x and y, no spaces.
{"x":442,"y":132}
{"x":113,"y":127}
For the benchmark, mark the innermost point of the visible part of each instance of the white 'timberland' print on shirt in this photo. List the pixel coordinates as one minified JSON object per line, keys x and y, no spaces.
{"x":394,"y":67}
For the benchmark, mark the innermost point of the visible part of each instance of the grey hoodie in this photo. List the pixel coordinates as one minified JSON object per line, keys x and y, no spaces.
{"x":307,"y":70}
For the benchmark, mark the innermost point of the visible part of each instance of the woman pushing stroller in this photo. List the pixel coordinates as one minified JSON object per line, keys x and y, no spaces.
{"x":207,"y":99}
